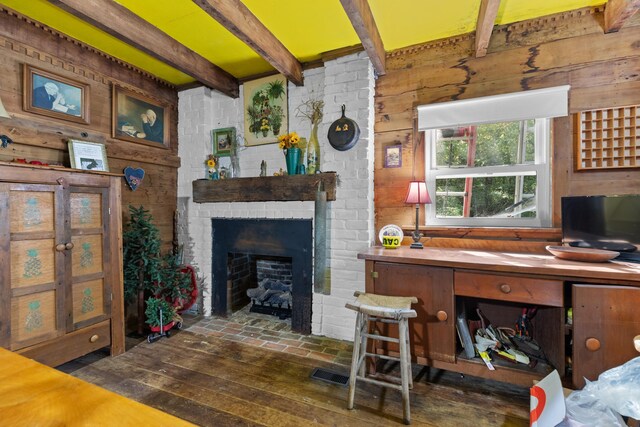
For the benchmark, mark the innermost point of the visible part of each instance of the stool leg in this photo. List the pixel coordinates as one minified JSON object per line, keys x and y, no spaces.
{"x":409,"y":357}
{"x":364,"y":343}
{"x":404,"y":370}
{"x":354,"y":361}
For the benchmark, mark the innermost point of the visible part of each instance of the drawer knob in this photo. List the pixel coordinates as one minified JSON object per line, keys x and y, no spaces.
{"x":505,"y":289}
{"x":442,"y":315}
{"x":592,"y":344}
{"x":94,"y":338}
{"x":636,"y":342}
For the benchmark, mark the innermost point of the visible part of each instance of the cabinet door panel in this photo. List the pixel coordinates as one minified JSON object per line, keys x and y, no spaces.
{"x":86,"y":210}
{"x":86,"y":255}
{"x":31,"y":211}
{"x":88,"y":300}
{"x":32,"y":262}
{"x":33,"y":318}
{"x":608,"y":314}
{"x":90,"y":288}
{"x":430,"y":337}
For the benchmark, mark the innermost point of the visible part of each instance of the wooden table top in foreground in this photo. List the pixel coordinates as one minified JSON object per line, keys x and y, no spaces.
{"x":37,"y":395}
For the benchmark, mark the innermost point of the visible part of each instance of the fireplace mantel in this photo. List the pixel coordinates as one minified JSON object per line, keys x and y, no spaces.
{"x":265,"y":189}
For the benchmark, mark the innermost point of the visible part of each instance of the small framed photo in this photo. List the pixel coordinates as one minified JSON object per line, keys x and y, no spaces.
{"x":222,"y":140}
{"x":393,"y":156}
{"x":55,"y":96}
{"x":137,"y":118}
{"x":89,"y":156}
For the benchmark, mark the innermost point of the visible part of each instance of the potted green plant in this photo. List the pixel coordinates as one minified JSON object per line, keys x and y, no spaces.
{"x":147,"y":272}
{"x":141,"y":258}
{"x":176,"y":284}
{"x":160,"y":314}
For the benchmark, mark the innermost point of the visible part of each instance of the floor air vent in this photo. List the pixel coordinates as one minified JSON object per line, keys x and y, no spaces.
{"x":330,"y":376}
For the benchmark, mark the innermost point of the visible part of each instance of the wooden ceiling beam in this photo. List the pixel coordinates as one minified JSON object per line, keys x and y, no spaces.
{"x":125,"y":25}
{"x":617,"y":12}
{"x":484,"y":27}
{"x":364,"y":23}
{"x":238,"y":19}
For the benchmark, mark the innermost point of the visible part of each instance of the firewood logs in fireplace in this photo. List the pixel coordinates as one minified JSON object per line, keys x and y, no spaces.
{"x":271,"y":292}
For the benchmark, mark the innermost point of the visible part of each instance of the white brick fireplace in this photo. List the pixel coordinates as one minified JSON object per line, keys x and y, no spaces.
{"x":348,"y":80}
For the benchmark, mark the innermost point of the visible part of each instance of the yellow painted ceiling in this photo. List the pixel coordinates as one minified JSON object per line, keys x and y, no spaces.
{"x":306,"y":27}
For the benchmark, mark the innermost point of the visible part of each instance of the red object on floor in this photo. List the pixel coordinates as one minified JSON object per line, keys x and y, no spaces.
{"x":192,"y":293}
{"x":165,"y":328}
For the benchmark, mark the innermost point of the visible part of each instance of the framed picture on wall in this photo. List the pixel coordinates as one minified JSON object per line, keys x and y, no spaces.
{"x":393,"y":156}
{"x":55,"y":96}
{"x":140,"y":119}
{"x":89,"y":156}
{"x":265,"y":110}
{"x":222,"y":139}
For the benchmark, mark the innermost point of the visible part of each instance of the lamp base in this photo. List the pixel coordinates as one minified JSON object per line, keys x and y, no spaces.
{"x":416,"y":245}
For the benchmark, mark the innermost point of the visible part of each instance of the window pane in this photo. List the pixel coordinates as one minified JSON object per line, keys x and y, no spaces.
{"x":495,"y":144}
{"x":451,"y":148}
{"x":449,"y":197}
{"x":491,"y":197}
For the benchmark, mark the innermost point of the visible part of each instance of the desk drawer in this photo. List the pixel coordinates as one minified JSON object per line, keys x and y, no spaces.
{"x":509,"y":288}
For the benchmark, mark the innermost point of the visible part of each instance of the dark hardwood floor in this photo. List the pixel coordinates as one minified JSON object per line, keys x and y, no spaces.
{"x":215,"y":382}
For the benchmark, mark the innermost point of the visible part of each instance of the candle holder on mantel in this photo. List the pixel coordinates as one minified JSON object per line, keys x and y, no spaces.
{"x":418,"y":195}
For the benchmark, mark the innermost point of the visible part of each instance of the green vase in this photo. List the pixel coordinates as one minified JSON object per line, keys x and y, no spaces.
{"x":292,"y":155}
{"x":313,"y":151}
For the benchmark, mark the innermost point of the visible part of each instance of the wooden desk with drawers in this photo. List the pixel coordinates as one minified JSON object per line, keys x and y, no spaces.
{"x":604,"y":298}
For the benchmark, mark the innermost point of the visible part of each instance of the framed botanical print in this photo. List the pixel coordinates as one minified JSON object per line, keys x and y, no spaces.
{"x":88,"y":156}
{"x":265,"y":110}
{"x":222,"y":140}
{"x":140,"y":119}
{"x":55,"y":96}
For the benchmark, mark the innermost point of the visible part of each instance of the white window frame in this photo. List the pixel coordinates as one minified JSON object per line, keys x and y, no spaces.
{"x":541,"y":168}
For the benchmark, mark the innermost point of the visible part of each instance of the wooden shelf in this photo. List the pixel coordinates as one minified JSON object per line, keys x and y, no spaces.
{"x":265,"y":189}
{"x":608,"y":138}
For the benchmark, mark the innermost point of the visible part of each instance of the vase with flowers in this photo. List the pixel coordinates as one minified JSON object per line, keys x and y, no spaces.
{"x":289,"y":145}
{"x":212,"y":167}
{"x":311,"y":109}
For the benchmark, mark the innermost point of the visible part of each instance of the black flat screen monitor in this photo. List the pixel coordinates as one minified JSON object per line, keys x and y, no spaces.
{"x":602,"y":222}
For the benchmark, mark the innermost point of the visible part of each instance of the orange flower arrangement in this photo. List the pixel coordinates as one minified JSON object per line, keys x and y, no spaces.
{"x":289,"y":140}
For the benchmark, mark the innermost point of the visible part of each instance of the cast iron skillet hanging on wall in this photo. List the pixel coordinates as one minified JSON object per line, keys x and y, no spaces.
{"x":343,"y":133}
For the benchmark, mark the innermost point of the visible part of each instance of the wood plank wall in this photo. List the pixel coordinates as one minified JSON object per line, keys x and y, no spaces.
{"x":568,"y":48}
{"x":42,"y":138}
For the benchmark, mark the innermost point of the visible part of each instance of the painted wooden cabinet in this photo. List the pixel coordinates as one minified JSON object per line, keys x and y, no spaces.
{"x":60,"y":262}
{"x":605,"y":322}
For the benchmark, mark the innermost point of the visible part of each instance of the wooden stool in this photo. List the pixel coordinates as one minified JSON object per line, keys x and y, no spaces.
{"x":384,"y":309}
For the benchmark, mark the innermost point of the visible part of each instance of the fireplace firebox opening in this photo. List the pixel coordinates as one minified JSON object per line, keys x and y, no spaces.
{"x":278,"y":244}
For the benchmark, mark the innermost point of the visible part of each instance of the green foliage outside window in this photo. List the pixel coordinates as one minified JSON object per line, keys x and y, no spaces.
{"x":496,"y":145}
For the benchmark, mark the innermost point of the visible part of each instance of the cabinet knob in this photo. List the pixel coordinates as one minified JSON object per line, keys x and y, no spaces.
{"x":94,"y":338}
{"x":636,"y":342}
{"x":68,"y":246}
{"x":505,"y":289}
{"x":592,"y":344}
{"x":60,"y":247}
{"x":442,"y":315}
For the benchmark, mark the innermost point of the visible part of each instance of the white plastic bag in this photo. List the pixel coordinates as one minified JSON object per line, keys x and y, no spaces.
{"x":616,"y":392}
